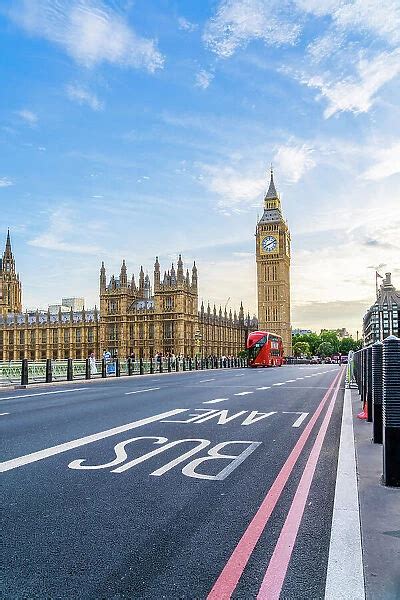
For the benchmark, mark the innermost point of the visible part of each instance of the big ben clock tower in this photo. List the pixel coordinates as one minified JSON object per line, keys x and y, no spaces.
{"x":273,"y":269}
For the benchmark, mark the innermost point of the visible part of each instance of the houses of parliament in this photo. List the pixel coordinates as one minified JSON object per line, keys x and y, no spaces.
{"x":145,"y":318}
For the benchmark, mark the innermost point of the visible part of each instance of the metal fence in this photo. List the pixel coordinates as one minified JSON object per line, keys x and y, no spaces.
{"x":24,"y":372}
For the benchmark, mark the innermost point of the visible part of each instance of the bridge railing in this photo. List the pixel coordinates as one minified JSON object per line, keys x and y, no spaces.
{"x":24,"y":372}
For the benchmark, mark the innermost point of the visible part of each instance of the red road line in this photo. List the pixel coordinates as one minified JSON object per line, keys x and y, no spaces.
{"x":274,"y":577}
{"x":231,"y":573}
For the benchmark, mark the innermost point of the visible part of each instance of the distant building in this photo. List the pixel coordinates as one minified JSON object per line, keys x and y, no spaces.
{"x":301,"y":331}
{"x":76,"y":304}
{"x":341,"y":333}
{"x":382,"y":319}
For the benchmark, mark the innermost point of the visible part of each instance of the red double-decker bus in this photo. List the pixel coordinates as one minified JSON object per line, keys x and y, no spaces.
{"x":265,"y":349}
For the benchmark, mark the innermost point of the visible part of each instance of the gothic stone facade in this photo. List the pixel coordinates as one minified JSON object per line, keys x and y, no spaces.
{"x":273,"y":269}
{"x":131,"y":319}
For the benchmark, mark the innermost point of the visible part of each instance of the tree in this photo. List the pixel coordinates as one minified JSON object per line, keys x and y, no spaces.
{"x":347,"y":344}
{"x":301,"y":348}
{"x":332,"y":338}
{"x":325,"y":349}
{"x":312,"y":339}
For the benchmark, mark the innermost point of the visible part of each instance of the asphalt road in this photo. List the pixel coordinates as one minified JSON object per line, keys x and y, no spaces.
{"x":116,"y":489}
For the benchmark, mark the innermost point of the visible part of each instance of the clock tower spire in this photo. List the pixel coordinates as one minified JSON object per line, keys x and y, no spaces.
{"x":273,"y":268}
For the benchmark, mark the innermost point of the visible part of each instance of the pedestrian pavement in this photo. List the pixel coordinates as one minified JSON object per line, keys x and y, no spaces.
{"x":379,"y":515}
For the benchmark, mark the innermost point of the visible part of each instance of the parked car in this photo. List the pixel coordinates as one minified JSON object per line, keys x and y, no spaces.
{"x":328,"y":360}
{"x":315,"y":360}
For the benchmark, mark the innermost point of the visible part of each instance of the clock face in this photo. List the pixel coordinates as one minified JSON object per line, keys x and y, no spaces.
{"x":269,"y":243}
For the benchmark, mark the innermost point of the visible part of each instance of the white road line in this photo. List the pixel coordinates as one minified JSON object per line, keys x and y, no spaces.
{"x":298,"y":422}
{"x":297,"y":378}
{"x":2,"y":414}
{"x":265,"y":387}
{"x":139,"y":391}
{"x":44,"y":394}
{"x":345,"y":577}
{"x":241,"y":375}
{"x":215,"y":401}
{"x":243,"y":393}
{"x":205,"y":380}
{"x":307,"y":376}
{"x":290,"y":381}
{"x":14,"y":463}
{"x":279,"y":383}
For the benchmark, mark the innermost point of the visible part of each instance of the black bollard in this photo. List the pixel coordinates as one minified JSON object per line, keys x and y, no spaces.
{"x":151,"y":366}
{"x":24,"y":372}
{"x":190,"y":364}
{"x":49,"y":371}
{"x":87,"y":369}
{"x":369,"y":383}
{"x":169,"y":364}
{"x":184,"y":364}
{"x":141,"y":369}
{"x":377,"y":391}
{"x":103,"y":368}
{"x":70,"y":370}
{"x":177,"y":364}
{"x":161,"y":364}
{"x":117,"y":368}
{"x":130,"y":366}
{"x":391,"y":411}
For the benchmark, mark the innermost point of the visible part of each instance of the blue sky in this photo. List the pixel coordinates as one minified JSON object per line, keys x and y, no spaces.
{"x":130,"y":129}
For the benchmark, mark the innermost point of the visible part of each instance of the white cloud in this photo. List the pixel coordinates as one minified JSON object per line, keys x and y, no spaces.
{"x":83,"y":96}
{"x":356,"y":93}
{"x":5,"y":182}
{"x":294,"y":161}
{"x":386,"y":163}
{"x":61,"y":233}
{"x":186,"y":25}
{"x":89,"y":31}
{"x":237,"y":190}
{"x":379,"y":17}
{"x":203,"y":79}
{"x":28,"y":116}
{"x":239,"y":21}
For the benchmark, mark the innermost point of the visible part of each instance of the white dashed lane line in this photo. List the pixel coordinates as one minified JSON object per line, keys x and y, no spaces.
{"x":283,"y":383}
{"x":2,"y":414}
{"x":139,"y":391}
{"x":205,"y":380}
{"x":241,"y":375}
{"x":243,"y":393}
{"x":290,"y":381}
{"x":266,"y":387}
{"x":215,"y":401}
{"x":69,"y":391}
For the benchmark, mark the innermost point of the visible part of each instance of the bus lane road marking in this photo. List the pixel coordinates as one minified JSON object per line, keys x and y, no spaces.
{"x":14,"y":463}
{"x":3,"y":414}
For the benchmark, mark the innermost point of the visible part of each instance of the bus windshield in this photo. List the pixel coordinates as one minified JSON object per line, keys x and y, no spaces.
{"x":255,"y":349}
